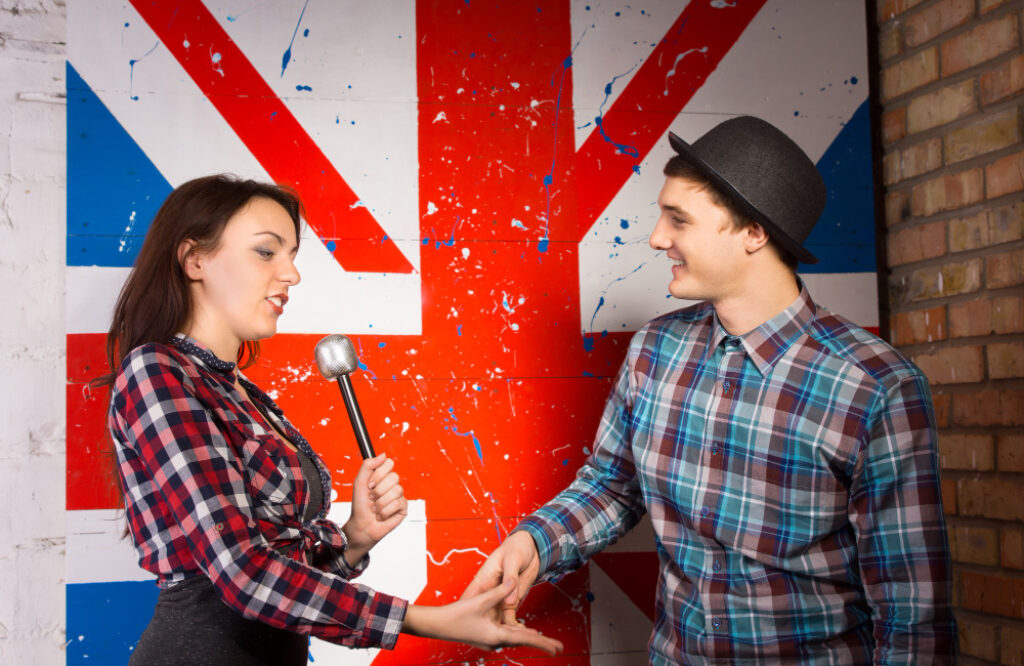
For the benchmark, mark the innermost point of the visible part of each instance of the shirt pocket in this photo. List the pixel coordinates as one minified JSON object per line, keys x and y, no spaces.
{"x":269,"y":477}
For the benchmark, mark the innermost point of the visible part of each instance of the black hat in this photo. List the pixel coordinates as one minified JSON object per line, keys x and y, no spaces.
{"x":767,"y":175}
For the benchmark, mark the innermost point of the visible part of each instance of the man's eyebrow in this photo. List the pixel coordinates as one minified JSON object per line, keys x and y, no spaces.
{"x":675,"y":209}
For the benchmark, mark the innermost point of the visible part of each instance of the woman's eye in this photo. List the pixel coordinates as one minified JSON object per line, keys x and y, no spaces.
{"x":264,"y":254}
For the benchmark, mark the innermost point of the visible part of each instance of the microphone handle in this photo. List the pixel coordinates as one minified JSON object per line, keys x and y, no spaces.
{"x":348,"y":394}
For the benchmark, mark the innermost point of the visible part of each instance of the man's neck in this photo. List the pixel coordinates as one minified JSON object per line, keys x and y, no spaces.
{"x":760,"y":298}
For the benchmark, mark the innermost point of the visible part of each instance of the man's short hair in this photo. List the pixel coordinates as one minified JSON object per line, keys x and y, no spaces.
{"x":677,"y":167}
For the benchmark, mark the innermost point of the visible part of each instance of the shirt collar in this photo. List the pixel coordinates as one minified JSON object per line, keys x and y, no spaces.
{"x":197,"y":350}
{"x":768,"y":342}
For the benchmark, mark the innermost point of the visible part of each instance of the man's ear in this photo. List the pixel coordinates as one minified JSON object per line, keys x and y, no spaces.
{"x":754,"y":237}
{"x":191,"y":261}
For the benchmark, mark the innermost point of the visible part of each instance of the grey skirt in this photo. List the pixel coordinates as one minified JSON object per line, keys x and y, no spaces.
{"x":191,"y":625}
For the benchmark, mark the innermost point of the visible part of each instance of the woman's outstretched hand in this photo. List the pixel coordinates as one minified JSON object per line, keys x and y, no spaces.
{"x":378,"y":506}
{"x":476,"y":620}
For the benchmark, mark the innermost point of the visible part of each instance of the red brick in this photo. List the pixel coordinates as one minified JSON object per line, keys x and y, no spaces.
{"x":1005,"y":360}
{"x":985,"y":316}
{"x":991,"y":496}
{"x":917,"y":243}
{"x":1011,"y":646}
{"x":916,"y":326}
{"x":948,"y":489}
{"x":988,"y":407}
{"x":1007,"y":314}
{"x":992,"y":593}
{"x":1006,"y":224}
{"x":967,"y":452}
{"x":953,"y":365}
{"x":910,"y":73}
{"x":978,"y":639}
{"x":888,"y":9}
{"x":979,"y":44}
{"x":943,"y":403}
{"x":976,"y":545}
{"x":1011,"y":548}
{"x":1010,"y":453}
{"x":970,"y":318}
{"x":936,"y":19}
{"x":921,"y":158}
{"x":969,"y":233}
{"x":1005,"y":269}
{"x":984,"y":135}
{"x":942,"y":106}
{"x":946,"y":192}
{"x":937,"y":281}
{"x":985,"y":6}
{"x":1004,"y":176}
{"x":897,"y":206}
{"x":891,"y":168}
{"x":1003,"y":82}
{"x":894,"y":124}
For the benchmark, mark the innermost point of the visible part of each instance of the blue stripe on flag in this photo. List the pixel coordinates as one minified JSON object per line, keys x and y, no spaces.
{"x":114,"y":190}
{"x":844,"y":238}
{"x":105,"y":620}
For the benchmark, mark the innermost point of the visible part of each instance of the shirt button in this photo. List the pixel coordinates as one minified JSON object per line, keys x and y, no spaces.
{"x":714,"y":448}
{"x":726,"y":386}
{"x":219,"y":527}
{"x":717,"y":566}
{"x":705,"y":511}
{"x":716,"y":622}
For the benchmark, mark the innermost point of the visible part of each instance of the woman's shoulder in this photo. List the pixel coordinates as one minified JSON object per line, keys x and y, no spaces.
{"x":153,"y":359}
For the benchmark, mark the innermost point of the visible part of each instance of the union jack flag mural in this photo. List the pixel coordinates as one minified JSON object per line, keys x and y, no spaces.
{"x":480,"y":179}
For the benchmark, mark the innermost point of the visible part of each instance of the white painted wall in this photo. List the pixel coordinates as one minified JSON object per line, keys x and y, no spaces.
{"x":32,"y":340}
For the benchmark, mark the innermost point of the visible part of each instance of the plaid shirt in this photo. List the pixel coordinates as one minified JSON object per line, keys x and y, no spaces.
{"x":791,"y":479}
{"x":211,"y":490}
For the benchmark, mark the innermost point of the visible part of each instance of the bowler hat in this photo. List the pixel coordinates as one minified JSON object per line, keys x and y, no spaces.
{"x":765,"y":174}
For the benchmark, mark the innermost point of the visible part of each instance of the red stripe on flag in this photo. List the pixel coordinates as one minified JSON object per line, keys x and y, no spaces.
{"x":646,"y":108}
{"x":273,"y":135}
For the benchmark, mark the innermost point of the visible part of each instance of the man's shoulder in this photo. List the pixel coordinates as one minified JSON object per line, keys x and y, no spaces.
{"x":861,"y":348}
{"x":679,"y":321}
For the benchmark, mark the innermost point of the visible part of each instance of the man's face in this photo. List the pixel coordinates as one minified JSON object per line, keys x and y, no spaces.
{"x":698,"y":237}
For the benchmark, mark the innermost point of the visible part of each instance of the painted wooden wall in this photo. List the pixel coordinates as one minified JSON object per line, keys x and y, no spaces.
{"x":480,"y":179}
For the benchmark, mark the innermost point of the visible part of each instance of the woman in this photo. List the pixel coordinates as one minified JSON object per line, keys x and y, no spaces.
{"x":226,"y":501}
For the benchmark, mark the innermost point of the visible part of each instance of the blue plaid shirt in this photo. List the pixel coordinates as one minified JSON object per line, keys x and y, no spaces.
{"x":791,"y":478}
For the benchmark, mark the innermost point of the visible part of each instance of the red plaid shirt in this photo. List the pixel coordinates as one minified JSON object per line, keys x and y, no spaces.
{"x":211,"y":490}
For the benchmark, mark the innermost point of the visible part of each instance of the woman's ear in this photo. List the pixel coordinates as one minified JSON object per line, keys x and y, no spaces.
{"x":190,"y":260}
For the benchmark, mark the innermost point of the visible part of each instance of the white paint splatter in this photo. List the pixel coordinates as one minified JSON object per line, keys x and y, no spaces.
{"x":454,"y":551}
{"x":440,"y":116}
{"x":431,"y":208}
{"x":679,"y":57}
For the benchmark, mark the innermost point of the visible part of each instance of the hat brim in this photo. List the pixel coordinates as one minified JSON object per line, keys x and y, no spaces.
{"x":774,"y":232}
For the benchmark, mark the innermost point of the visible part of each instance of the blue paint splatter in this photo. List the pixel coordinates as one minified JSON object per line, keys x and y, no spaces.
{"x":476,"y":442}
{"x":599,"y":120}
{"x":331,"y":246}
{"x":542,"y":244}
{"x":287,"y":57}
{"x":624,"y":223}
{"x":300,"y":88}
{"x":131,"y":71}
{"x":458,"y":329}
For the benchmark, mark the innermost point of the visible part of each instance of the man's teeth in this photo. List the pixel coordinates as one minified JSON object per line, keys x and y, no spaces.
{"x":275,"y":300}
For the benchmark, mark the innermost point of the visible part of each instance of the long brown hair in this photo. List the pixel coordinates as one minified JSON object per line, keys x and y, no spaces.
{"x":155,"y":301}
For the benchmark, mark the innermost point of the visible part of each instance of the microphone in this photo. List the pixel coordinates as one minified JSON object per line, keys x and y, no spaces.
{"x":337,"y":358}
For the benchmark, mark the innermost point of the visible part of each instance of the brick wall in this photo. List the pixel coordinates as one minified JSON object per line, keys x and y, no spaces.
{"x":32,"y":347}
{"x":951,"y":76}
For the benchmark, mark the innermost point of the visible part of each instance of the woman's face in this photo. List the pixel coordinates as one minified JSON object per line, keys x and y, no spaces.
{"x":240,"y":288}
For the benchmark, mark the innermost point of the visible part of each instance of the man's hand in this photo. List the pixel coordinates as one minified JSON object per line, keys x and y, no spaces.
{"x":514,"y":561}
{"x":474,"y":620}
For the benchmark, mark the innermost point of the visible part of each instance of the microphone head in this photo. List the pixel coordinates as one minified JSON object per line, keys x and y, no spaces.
{"x":335,"y":356}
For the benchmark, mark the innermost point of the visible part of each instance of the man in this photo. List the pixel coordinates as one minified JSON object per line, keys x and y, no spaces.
{"x":785,"y":455}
